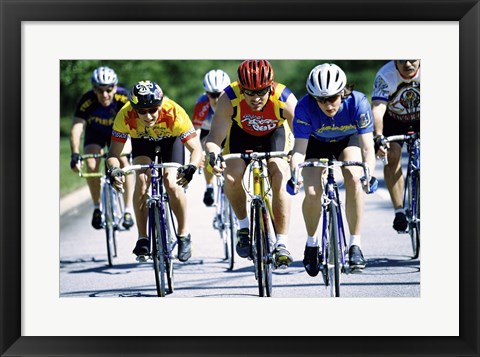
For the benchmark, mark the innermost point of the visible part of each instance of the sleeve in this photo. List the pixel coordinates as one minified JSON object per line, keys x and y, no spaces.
{"x":302,"y":127}
{"x":380,"y":89}
{"x":82,"y":110}
{"x":119,"y":129}
{"x":185,"y":128}
{"x":363,"y":116}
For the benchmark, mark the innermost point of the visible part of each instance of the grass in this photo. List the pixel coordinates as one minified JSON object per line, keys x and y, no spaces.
{"x":69,"y":181}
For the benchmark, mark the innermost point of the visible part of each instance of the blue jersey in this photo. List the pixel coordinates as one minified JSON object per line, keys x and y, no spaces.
{"x":353,"y":117}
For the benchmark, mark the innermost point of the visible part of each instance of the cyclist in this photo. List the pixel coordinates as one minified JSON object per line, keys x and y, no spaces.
{"x":332,"y":121}
{"x":152,"y":120}
{"x":396,"y":110}
{"x":95,"y":113}
{"x":214,"y":82}
{"x":254,"y":113}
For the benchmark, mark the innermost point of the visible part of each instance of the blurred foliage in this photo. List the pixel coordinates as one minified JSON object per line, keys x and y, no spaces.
{"x":181,"y":80}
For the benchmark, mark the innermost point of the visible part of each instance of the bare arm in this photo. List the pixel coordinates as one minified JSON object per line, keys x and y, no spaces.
{"x":299,"y":150}
{"x":378,"y":110}
{"x":76,"y":133}
{"x":289,"y":109}
{"x":368,"y":151}
{"x":114,"y":153}
{"x":220,"y":125}
{"x":195,"y":147}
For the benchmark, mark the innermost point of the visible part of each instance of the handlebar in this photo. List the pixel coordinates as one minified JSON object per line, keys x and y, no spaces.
{"x":94,"y":156}
{"x":403,"y":137}
{"x":326,"y":163}
{"x":411,"y":136}
{"x":138,"y":167}
{"x":253,"y":155}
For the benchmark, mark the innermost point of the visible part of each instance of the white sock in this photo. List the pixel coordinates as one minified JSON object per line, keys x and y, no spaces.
{"x":244,"y":223}
{"x":282,"y":239}
{"x":142,"y":238}
{"x":312,"y":241}
{"x":355,"y":240}
{"x":96,"y":205}
{"x":400,"y":210}
{"x":209,"y":185}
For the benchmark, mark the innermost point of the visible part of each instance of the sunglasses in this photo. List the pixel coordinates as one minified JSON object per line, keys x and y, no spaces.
{"x":402,"y":62}
{"x":260,"y":92}
{"x":214,"y":94}
{"x":145,"y":111}
{"x":330,"y":99}
{"x":108,"y":89}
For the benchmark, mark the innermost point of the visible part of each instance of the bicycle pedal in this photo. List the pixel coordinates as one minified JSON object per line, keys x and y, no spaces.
{"x":281,"y":266}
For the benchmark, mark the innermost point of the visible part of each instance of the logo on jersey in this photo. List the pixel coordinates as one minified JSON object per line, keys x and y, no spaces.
{"x":405,"y":105}
{"x":364,"y":120}
{"x":258,"y":123}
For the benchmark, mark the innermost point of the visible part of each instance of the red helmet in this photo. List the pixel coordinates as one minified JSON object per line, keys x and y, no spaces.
{"x":255,"y":74}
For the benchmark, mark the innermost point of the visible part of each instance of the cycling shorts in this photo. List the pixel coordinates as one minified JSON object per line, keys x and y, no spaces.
{"x":396,"y":127}
{"x":239,"y":141}
{"x":93,"y":136}
{"x":317,"y":149}
{"x":203,"y":134}
{"x":171,"y":149}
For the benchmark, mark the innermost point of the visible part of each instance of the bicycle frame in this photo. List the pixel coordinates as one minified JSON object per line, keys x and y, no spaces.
{"x":411,"y":191}
{"x":112,"y":206}
{"x":161,"y":226}
{"x":262,"y":227}
{"x":334,"y":245}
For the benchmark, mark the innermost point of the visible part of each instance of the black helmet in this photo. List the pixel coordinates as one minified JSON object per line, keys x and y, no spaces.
{"x":146,"y":94}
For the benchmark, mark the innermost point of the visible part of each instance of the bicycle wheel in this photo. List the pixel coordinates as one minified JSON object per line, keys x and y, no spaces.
{"x":259,"y":248}
{"x":414,"y":219}
{"x":267,"y":252}
{"x":107,"y":200}
{"x":157,"y":249}
{"x":230,"y":232}
{"x":410,"y":211}
{"x":334,"y":265}
{"x":170,"y":242}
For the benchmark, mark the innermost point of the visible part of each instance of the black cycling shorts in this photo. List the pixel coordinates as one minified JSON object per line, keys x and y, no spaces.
{"x":171,"y":149}
{"x":317,"y":149}
{"x":95,"y":137}
{"x":396,"y":127}
{"x":239,"y":141}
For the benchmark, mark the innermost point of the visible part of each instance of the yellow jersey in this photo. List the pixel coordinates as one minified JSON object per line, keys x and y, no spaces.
{"x":172,"y":121}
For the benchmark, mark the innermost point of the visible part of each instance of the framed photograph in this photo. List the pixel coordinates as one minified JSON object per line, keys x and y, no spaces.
{"x":35,"y":321}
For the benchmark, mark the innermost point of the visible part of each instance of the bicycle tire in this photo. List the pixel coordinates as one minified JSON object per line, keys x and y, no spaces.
{"x":108,"y":222}
{"x":258,"y":244}
{"x":157,"y":249}
{"x":267,"y":254}
{"x":415,"y":236}
{"x":334,"y":263}
{"x":169,"y":248}
{"x":411,"y":213}
{"x":230,"y":235}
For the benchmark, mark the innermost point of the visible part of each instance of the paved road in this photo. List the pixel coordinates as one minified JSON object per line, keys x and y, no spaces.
{"x":84,"y":272}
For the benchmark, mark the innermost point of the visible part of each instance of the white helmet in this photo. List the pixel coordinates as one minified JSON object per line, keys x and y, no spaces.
{"x":104,"y":76}
{"x":215,"y":81}
{"x":326,"y":80}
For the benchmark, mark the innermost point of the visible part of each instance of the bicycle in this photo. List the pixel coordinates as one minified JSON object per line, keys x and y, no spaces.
{"x":411,"y":191}
{"x":334,"y":250}
{"x":262,"y":225}
{"x":111,"y":205}
{"x":161,"y":226}
{"x":225,"y":222}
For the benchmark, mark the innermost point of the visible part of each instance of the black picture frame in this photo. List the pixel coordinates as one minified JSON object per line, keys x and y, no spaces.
{"x":14,"y":12}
